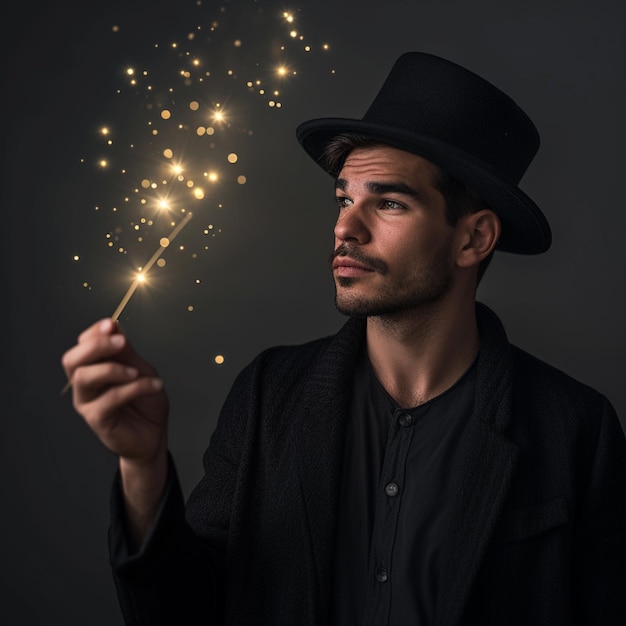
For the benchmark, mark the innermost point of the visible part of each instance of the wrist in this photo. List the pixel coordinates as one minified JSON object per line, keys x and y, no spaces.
{"x":143,"y":484}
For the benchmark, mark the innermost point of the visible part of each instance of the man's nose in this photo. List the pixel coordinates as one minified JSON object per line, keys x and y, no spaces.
{"x":352,"y":225}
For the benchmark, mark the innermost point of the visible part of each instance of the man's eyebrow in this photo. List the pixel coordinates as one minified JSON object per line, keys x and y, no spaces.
{"x":383,"y":188}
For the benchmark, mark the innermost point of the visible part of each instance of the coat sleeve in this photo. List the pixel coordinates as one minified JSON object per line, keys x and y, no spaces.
{"x":600,"y":579}
{"x":178,"y":575}
{"x":173,"y":578}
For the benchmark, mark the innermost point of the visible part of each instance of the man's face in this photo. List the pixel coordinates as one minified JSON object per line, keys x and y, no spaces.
{"x":392,"y":241}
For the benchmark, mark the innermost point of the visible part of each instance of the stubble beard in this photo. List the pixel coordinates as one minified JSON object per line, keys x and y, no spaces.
{"x":398,"y":295}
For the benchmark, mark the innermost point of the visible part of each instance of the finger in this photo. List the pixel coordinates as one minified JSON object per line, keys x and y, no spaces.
{"x":110,"y":330}
{"x":93,"y":349}
{"x":90,"y":381}
{"x":108,"y":403}
{"x":104,"y":326}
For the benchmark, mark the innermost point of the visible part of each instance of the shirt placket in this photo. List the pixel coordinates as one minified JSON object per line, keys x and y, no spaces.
{"x":387,"y":511}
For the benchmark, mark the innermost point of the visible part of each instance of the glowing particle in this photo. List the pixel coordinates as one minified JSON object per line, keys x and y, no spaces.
{"x":140,"y":278}
{"x":76,"y":257}
{"x":219,"y":359}
{"x":237,"y":43}
{"x":104,"y":130}
{"x":194,"y":106}
{"x":103,"y":163}
{"x":190,"y":308}
{"x":201,"y":130}
{"x":198,"y":193}
{"x":164,"y":242}
{"x":307,"y":48}
{"x":168,"y":153}
{"x":218,"y":116}
{"x":293,"y":33}
{"x":241,"y":180}
{"x":210,"y":130}
{"x":161,"y":262}
{"x":271,"y":103}
{"x":213,"y":177}
{"x":165,"y":114}
{"x":232,"y":158}
{"x":282,"y":70}
{"x":130,"y":71}
{"x":325,"y":46}
{"x":197,"y":281}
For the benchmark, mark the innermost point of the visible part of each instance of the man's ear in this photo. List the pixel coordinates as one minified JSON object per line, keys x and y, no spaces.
{"x":478,"y":235}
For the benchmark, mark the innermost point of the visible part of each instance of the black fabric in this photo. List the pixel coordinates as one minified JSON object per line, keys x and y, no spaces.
{"x":538,"y":520}
{"x":400,"y":466}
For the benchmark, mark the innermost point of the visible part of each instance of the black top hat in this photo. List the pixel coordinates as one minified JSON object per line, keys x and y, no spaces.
{"x":443,"y":112}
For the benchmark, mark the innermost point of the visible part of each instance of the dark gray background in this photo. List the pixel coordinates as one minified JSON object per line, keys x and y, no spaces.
{"x":265,"y":280}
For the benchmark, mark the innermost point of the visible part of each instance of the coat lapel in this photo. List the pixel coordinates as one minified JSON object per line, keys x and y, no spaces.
{"x":319,"y":428}
{"x":487,"y":464}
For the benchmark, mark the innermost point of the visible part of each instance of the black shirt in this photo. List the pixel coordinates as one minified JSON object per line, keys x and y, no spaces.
{"x":399,"y":471}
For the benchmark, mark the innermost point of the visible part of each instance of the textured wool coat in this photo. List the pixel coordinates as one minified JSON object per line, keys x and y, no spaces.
{"x":538,"y":531}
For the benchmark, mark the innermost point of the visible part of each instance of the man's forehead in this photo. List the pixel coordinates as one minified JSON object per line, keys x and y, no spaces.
{"x":383,"y":163}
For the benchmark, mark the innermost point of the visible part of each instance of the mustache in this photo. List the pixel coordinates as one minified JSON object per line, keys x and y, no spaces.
{"x":356,"y":254}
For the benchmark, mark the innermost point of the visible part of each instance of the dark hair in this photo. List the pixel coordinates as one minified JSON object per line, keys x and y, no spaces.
{"x":460,"y":199}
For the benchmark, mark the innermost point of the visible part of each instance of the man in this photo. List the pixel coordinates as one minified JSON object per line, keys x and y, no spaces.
{"x":414,"y":468}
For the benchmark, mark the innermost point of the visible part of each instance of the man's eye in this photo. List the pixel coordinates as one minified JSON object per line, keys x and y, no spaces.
{"x":392,"y":204}
{"x":343,"y":202}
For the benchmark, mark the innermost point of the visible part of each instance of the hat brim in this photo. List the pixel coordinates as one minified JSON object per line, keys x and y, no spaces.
{"x":525,"y":229}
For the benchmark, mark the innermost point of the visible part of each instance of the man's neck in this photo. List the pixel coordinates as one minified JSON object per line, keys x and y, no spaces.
{"x":418,"y":355}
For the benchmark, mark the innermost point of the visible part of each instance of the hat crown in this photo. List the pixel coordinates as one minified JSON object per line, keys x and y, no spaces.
{"x":432,"y":97}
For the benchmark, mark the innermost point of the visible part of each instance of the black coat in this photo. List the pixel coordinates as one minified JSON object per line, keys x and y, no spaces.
{"x":538,"y":533}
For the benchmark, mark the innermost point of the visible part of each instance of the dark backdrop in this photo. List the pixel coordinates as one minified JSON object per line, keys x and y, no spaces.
{"x":262,"y":264}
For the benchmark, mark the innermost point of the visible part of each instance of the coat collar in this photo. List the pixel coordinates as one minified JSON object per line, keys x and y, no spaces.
{"x":486,"y":469}
{"x":487,"y":462}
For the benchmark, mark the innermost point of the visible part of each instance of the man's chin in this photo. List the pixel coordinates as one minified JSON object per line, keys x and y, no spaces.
{"x":353,"y":306}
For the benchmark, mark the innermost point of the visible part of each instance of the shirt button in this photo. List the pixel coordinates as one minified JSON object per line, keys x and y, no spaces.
{"x":382,"y":575}
{"x":391,"y":489}
{"x":406,"y":419}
